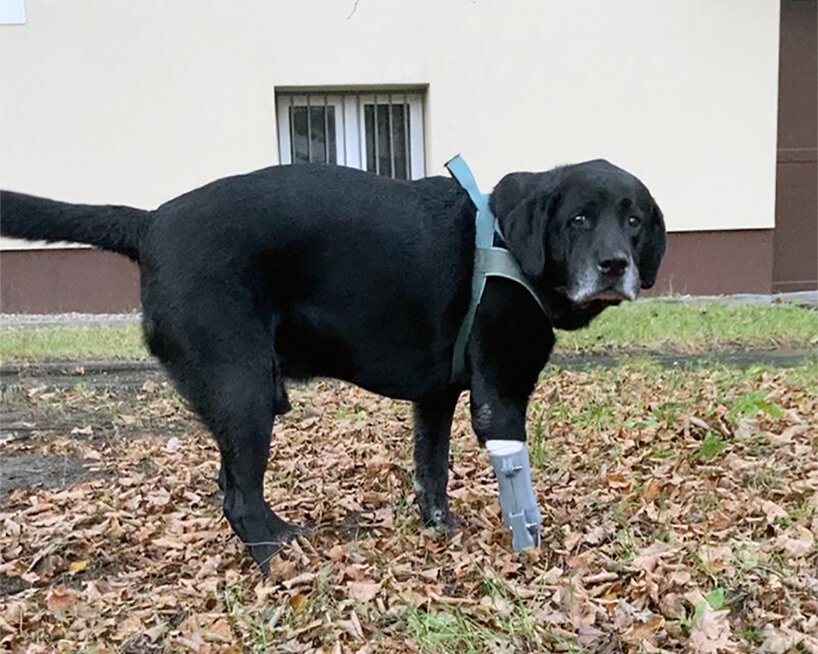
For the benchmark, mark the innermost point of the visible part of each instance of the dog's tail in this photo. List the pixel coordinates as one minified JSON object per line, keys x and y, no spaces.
{"x":113,"y":228}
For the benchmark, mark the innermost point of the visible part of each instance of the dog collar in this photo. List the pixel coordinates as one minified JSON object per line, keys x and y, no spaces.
{"x":489,"y":260}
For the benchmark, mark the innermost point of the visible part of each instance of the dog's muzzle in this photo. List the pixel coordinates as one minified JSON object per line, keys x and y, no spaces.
{"x":596,"y":287}
{"x":518,"y":503}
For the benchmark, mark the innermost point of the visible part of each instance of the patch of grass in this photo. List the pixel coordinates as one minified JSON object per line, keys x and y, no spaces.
{"x":122,"y":342}
{"x":749,"y":404}
{"x":540,"y":452}
{"x":257,"y":631}
{"x":645,"y":325}
{"x":750,"y":634}
{"x":803,"y":375}
{"x":756,"y":446}
{"x":711,"y":447}
{"x":766,"y":477}
{"x":594,"y":416}
{"x":803,"y":510}
{"x":447,"y":629}
{"x":450,"y":630}
{"x":657,"y":324}
{"x":342,"y":414}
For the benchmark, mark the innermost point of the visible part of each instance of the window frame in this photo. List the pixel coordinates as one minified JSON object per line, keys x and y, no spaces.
{"x":350,"y":127}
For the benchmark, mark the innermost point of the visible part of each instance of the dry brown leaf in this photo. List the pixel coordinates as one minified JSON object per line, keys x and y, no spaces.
{"x":218,"y":631}
{"x":363,"y":591}
{"x":779,"y":641}
{"x":798,"y":542}
{"x":746,"y":427}
{"x":299,"y":603}
{"x":715,"y":558}
{"x":649,"y":557}
{"x":128,"y":627}
{"x":60,"y":600}
{"x":770,"y":509}
{"x":299,"y":580}
{"x":651,"y":490}
{"x":352,"y":626}
{"x":640,"y":632}
{"x":710,"y":633}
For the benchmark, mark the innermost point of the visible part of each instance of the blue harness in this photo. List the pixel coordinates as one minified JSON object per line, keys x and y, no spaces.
{"x":489,"y":260}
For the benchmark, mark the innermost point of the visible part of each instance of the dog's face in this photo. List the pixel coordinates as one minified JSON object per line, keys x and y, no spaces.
{"x":590,"y":232}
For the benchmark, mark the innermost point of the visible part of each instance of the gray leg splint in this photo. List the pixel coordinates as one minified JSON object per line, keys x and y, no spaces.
{"x":517,"y":501}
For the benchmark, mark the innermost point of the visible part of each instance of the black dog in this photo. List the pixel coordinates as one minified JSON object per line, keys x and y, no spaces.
{"x":307,"y":270}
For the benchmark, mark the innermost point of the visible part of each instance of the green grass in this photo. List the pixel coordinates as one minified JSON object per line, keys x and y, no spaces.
{"x":651,"y":325}
{"x":656,"y":325}
{"x":122,"y":342}
{"x":449,"y":630}
{"x":711,"y":446}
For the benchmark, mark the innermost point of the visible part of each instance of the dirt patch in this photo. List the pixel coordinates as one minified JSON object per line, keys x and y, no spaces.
{"x":34,"y":470}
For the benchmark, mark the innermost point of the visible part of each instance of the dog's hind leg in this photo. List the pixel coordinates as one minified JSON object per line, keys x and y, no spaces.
{"x":432,"y":430}
{"x":243,"y":424}
{"x":227,"y":371}
{"x":281,"y":405}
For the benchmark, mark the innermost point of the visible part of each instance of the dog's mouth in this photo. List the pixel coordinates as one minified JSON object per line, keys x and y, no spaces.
{"x":600,"y":299}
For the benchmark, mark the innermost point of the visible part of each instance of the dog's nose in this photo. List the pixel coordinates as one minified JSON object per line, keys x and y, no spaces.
{"x":613,"y":266}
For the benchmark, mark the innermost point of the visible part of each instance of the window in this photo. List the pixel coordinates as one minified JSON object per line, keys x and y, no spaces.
{"x":378,"y":132}
{"x":12,"y":12}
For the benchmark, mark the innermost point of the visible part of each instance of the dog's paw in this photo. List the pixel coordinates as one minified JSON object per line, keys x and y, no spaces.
{"x":264,"y":550}
{"x":441,"y":518}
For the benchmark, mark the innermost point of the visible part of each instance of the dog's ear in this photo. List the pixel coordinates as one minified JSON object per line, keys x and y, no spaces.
{"x":522,"y":203}
{"x":651,"y":247}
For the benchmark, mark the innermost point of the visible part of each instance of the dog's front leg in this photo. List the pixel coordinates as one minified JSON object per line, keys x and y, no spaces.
{"x":432,"y":428}
{"x":499,"y":423}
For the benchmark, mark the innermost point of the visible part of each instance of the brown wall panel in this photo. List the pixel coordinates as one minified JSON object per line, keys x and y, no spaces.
{"x":63,"y":281}
{"x":716,"y":263}
{"x":89,"y":281}
{"x":796,"y":204}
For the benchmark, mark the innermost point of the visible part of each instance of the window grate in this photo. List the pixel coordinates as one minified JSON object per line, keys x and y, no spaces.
{"x":378,"y":132}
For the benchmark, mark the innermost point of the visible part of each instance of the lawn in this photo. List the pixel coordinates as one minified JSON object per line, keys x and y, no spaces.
{"x":647,"y":325}
{"x":680,"y":515}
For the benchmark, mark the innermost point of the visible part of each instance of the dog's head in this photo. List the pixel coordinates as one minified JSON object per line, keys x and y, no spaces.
{"x":589,"y":232}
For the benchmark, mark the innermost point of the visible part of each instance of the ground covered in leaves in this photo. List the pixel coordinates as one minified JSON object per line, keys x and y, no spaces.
{"x":680,"y":515}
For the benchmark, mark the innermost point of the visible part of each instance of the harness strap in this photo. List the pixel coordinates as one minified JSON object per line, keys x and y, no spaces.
{"x":485,"y":222}
{"x":489,"y":261}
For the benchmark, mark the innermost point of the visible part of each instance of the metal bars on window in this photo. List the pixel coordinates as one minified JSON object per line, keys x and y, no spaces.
{"x":378,"y":132}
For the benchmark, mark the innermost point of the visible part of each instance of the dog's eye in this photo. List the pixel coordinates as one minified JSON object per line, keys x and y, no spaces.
{"x":633,"y":221}
{"x":579,"y":220}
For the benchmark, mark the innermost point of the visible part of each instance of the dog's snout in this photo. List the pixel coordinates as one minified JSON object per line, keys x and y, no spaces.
{"x":613,"y":266}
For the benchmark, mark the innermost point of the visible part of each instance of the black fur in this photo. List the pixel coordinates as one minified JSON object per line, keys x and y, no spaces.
{"x":109,"y":227}
{"x":301,"y":271}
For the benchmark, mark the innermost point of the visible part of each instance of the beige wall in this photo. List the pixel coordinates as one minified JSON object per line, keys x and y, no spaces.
{"x":136,"y":102}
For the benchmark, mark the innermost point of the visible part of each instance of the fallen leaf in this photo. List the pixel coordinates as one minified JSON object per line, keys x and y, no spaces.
{"x":60,"y":600}
{"x":218,"y":631}
{"x":710,"y":632}
{"x":651,"y":490}
{"x":642,"y":631}
{"x":77,"y":566}
{"x":715,"y":558}
{"x":299,"y":580}
{"x":798,"y":542}
{"x":649,"y":557}
{"x":299,"y":603}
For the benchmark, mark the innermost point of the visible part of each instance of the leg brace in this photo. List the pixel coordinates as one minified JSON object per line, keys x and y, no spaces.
{"x":517,"y":501}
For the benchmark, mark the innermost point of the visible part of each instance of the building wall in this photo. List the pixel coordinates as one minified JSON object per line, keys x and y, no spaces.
{"x":795,"y":252}
{"x":137,"y":102}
